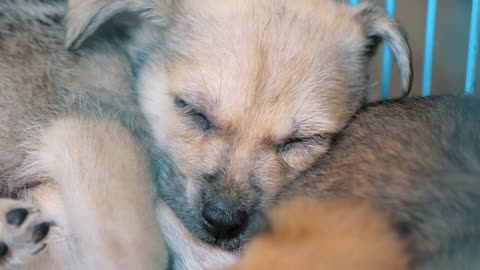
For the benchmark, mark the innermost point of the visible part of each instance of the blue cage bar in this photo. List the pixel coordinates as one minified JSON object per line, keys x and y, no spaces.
{"x":472,"y":48}
{"x":430,"y":25}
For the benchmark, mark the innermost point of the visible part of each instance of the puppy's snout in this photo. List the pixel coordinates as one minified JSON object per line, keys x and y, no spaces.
{"x":223,"y":219}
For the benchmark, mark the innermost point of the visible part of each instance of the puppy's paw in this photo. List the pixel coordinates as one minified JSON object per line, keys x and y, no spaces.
{"x":23,"y":232}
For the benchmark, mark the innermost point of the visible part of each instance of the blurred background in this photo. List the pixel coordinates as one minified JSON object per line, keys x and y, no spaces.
{"x":451,"y":46}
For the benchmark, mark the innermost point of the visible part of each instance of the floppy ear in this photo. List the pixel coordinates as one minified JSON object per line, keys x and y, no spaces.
{"x":378,"y":27}
{"x":111,"y":19}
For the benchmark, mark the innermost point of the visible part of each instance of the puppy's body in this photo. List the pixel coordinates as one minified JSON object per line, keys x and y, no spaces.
{"x":418,"y":159}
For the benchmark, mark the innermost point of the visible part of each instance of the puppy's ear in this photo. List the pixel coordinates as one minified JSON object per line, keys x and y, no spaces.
{"x":378,"y":27}
{"x":112,"y":20}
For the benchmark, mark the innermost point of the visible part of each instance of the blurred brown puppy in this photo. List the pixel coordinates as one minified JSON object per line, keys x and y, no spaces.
{"x":335,"y":234}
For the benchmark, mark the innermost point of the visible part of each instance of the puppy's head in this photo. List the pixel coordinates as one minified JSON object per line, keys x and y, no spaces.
{"x":243,"y":95}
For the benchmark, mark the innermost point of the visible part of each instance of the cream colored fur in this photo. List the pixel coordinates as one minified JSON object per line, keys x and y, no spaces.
{"x":102,"y":196}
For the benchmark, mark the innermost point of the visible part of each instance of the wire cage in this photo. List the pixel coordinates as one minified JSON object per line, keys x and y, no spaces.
{"x":462,"y":49}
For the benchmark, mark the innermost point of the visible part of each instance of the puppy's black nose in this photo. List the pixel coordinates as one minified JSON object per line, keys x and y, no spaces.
{"x":223,"y":219}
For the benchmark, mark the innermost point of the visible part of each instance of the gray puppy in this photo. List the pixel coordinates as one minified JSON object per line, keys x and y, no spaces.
{"x":418,"y":159}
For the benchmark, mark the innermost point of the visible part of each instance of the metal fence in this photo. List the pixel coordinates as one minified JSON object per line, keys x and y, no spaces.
{"x":429,"y":48}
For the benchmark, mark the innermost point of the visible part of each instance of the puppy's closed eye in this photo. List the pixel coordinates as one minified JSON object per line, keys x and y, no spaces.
{"x":301,"y":142}
{"x":288,"y":144}
{"x":198,"y":118}
{"x":180,"y":103}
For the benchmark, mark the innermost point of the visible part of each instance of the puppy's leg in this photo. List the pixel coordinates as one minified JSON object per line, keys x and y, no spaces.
{"x":105,"y":188}
{"x":23,"y":232}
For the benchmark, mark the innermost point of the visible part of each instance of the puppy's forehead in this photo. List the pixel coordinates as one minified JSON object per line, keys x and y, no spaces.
{"x":274,"y":64}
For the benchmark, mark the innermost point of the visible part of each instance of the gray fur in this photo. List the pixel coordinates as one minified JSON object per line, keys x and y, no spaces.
{"x":40,"y":80}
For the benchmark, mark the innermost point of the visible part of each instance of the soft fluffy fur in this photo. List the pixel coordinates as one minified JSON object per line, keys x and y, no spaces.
{"x":244,"y":97}
{"x":65,"y":151}
{"x":336,"y":234}
{"x":102,"y":190}
{"x":240,"y":95}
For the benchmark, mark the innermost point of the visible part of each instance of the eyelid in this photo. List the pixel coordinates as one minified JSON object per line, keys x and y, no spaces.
{"x":195,"y":114}
{"x":180,"y":102}
{"x":301,"y":140}
{"x":188,"y":107}
{"x":286,"y":144}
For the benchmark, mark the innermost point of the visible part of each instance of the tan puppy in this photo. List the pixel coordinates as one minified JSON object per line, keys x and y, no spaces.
{"x":241,"y":96}
{"x":238,"y":96}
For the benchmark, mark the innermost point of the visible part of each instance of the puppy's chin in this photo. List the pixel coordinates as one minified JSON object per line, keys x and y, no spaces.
{"x":187,"y":251}
{"x":235,"y":244}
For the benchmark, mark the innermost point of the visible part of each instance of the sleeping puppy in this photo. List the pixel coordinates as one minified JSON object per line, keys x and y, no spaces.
{"x":241,"y":96}
{"x":417,"y":161}
{"x":232,"y":99}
